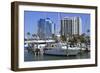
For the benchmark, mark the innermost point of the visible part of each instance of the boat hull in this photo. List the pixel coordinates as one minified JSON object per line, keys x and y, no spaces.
{"x":62,"y":52}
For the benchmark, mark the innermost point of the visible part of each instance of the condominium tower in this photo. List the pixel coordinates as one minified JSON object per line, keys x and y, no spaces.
{"x":70,"y":26}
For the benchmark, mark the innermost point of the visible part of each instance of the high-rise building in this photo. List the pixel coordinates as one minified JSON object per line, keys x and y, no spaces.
{"x":45,"y":28}
{"x":70,"y":26}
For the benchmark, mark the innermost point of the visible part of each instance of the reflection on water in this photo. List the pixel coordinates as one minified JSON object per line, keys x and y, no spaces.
{"x":29,"y":56}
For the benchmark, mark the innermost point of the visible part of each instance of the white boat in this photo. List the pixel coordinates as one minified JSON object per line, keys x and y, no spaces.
{"x":62,"y":50}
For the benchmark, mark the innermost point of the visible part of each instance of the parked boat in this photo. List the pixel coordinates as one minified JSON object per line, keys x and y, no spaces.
{"x":62,"y":50}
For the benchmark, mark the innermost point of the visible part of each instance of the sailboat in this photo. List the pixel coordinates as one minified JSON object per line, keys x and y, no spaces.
{"x":60,"y":49}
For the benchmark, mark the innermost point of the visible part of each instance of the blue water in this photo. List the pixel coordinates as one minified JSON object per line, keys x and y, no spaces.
{"x":29,"y":56}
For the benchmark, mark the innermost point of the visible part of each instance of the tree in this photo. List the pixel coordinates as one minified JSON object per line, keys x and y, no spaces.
{"x":53,"y":36}
{"x":28,"y":35}
{"x":87,"y":43}
{"x":82,"y":40}
{"x":74,"y":39}
{"x":88,"y":31}
{"x":34,"y":36}
{"x":67,"y":43}
{"x":63,"y":38}
{"x":28,"y":38}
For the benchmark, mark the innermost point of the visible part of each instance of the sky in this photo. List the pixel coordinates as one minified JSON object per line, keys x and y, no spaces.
{"x":31,"y":20}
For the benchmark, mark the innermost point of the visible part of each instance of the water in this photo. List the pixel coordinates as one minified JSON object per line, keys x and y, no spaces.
{"x":29,"y":56}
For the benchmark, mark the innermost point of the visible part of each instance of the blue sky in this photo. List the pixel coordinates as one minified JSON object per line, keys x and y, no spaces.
{"x":31,"y":18}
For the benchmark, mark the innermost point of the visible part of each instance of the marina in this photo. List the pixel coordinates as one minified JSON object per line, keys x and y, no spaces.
{"x":55,"y":37}
{"x":40,"y":51}
{"x":29,"y":56}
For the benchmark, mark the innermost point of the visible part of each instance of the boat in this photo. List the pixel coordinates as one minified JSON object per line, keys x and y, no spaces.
{"x":62,"y":50}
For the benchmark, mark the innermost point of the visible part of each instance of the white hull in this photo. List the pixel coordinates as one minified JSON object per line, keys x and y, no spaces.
{"x":68,"y":52}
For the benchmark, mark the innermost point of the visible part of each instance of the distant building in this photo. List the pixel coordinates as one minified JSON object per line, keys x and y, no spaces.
{"x":45,"y":28}
{"x":70,"y":26}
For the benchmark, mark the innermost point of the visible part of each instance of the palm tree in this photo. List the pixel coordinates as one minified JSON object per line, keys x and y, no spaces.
{"x":87,"y":43}
{"x":28,"y":35}
{"x":28,"y":38}
{"x":87,"y":40}
{"x":82,"y":40}
{"x":53,"y":36}
{"x":67,"y":38}
{"x":74,"y":39}
{"x":88,"y":31}
{"x":34,"y":36}
{"x":63,"y":38}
